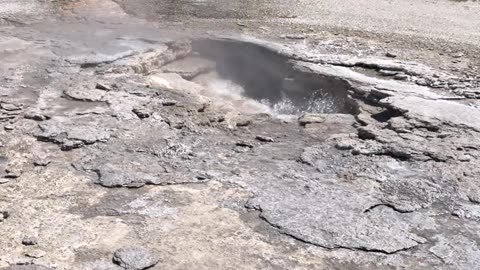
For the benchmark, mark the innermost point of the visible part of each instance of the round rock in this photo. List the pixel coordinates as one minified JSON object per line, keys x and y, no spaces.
{"x":134,"y":258}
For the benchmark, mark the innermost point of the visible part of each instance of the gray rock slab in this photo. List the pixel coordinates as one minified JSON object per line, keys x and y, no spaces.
{"x":425,"y":110}
{"x":135,"y":258}
{"x":337,"y":216}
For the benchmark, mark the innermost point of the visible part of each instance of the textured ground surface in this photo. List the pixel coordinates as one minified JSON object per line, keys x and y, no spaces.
{"x":127,"y":144}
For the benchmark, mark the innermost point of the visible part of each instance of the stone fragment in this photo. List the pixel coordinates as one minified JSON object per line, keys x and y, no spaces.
{"x":391,"y":55}
{"x":29,"y":241}
{"x":41,"y":162}
{"x":4,"y":215}
{"x":88,"y":135}
{"x":457,"y":55}
{"x":96,"y":59}
{"x":264,"y":138}
{"x":9,"y":107}
{"x":35,"y":253}
{"x":71,"y":144}
{"x":189,"y":67}
{"x":84,"y":94}
{"x":36,"y":116}
{"x":310,"y":118}
{"x":474,"y":195}
{"x":12,"y":173}
{"x":346,"y":144}
{"x":135,"y":258}
{"x":384,"y":72}
{"x":157,"y":58}
{"x":102,"y":86}
{"x":422,"y":82}
{"x":169,"y":102}
{"x":401,"y":77}
{"x":141,"y":112}
{"x":366,"y":133}
{"x":242,"y":143}
{"x":432,"y":112}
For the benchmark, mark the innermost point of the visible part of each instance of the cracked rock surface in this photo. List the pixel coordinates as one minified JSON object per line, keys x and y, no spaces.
{"x":126,"y":147}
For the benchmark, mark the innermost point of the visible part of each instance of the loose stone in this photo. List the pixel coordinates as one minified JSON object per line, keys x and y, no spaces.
{"x":134,"y":258}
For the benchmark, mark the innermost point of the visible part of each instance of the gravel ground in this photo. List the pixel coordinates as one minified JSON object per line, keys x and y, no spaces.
{"x":128,"y":143}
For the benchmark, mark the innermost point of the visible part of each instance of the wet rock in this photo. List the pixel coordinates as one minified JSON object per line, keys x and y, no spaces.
{"x":176,"y":84}
{"x":29,"y":241}
{"x":135,"y":258}
{"x":36,"y":116}
{"x":155,"y":59}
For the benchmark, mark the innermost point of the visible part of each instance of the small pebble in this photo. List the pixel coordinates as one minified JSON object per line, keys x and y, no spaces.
{"x":264,"y":138}
{"x":41,"y":162}
{"x":12,"y":174}
{"x":169,"y":103}
{"x":391,"y":55}
{"x":29,"y":241}
{"x":4,"y":215}
{"x":244,"y":144}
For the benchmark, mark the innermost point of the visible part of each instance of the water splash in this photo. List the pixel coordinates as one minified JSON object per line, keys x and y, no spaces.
{"x":227,"y":94}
